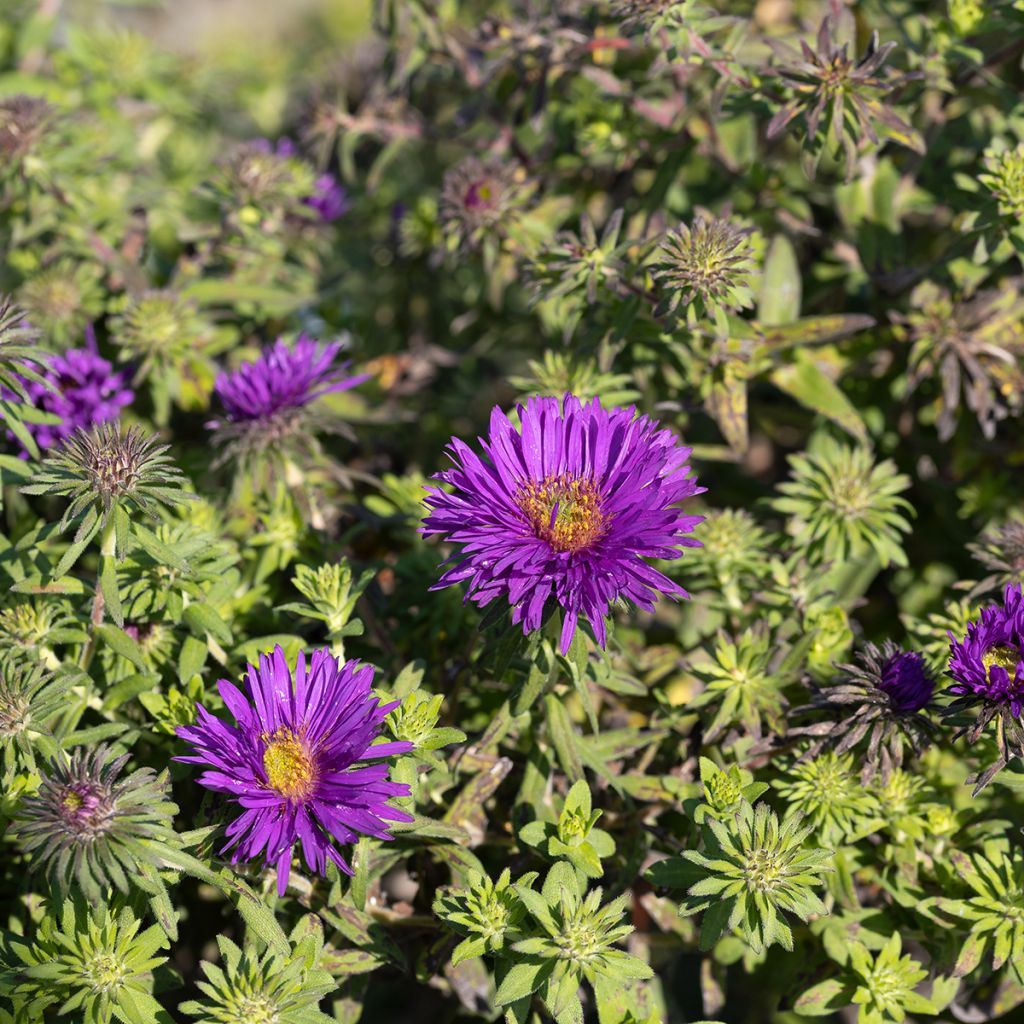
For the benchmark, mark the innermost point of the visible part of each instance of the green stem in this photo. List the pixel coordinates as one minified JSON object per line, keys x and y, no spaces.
{"x":107,"y":550}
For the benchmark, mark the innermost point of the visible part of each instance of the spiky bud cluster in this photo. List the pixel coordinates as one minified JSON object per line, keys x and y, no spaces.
{"x":706,"y":267}
{"x":478,"y":197}
{"x":88,"y":823}
{"x":106,"y":467}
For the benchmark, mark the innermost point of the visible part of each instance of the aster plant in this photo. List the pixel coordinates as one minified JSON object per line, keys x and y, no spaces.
{"x":826,"y":792}
{"x":753,"y":871}
{"x":843,"y":504}
{"x":93,"y":827}
{"x":299,"y":761}
{"x":987,"y":671}
{"x":882,"y":698}
{"x":968,"y":350}
{"x":706,"y":268}
{"x":572,"y":937}
{"x":563,"y":511}
{"x":95,"y":962}
{"x":881,"y":985}
{"x":268,"y":403}
{"x":991,"y":905}
{"x":268,"y":987}
{"x":841,"y":101}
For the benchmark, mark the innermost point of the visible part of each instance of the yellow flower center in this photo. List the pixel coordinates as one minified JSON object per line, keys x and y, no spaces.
{"x":290,"y":768}
{"x":1003,"y":655}
{"x":564,"y":511}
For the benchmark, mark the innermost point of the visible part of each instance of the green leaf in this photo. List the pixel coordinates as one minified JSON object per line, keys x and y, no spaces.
{"x":824,"y":998}
{"x":522,"y":980}
{"x":805,"y":381}
{"x":562,"y":734}
{"x":109,"y":589}
{"x":202,"y":618}
{"x":780,"y":285}
{"x":121,"y":643}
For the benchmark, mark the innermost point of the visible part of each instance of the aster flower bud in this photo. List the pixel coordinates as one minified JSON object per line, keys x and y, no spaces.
{"x":29,"y":698}
{"x":62,"y":299}
{"x":827,"y":792}
{"x":158,"y":327}
{"x":578,"y":935}
{"x":880,"y":699}
{"x":706,"y":267}
{"x":94,"y":958}
{"x":842,"y":504}
{"x":268,"y":403}
{"x":105,"y":469}
{"x":753,"y":868}
{"x":89,"y":824}
{"x":489,"y":914}
{"x":258,"y":181}
{"x":268,"y":989}
{"x":987,"y":668}
{"x":479,"y":199}
{"x":33,"y":627}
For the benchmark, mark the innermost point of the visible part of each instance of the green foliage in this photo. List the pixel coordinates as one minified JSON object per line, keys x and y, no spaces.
{"x":97,"y":963}
{"x":273,"y":987}
{"x":881,"y":986}
{"x":573,"y":836}
{"x":753,"y":871}
{"x":843,"y":505}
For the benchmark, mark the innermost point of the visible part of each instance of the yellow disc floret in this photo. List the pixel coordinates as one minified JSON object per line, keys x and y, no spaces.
{"x":289,"y":765}
{"x":564,"y":511}
{"x":1003,"y":655}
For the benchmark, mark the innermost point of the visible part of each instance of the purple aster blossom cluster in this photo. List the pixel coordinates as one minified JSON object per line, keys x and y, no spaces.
{"x":907,"y":682}
{"x":300,"y":761}
{"x":566,"y":508}
{"x":988,"y":663}
{"x":284,"y":379}
{"x":328,"y":198}
{"x":84,"y":390}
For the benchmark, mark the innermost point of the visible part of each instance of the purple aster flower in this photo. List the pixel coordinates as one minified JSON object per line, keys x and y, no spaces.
{"x":989,"y":662}
{"x":329,"y":198}
{"x":298,"y":761}
{"x":905,"y":679}
{"x":565,"y":509}
{"x":878,"y":701}
{"x":85,"y":390}
{"x":987,"y":667}
{"x":285,"y":379}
